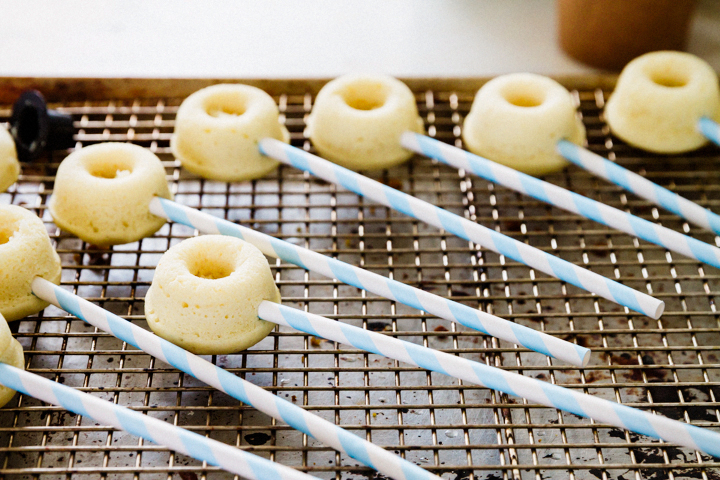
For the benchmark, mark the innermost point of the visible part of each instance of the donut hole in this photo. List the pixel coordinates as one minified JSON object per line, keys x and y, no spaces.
{"x":7,"y":230}
{"x":224,"y":105}
{"x":365,"y":95}
{"x":669,"y":78}
{"x":211,"y":268}
{"x":523,"y":95}
{"x":109,"y":166}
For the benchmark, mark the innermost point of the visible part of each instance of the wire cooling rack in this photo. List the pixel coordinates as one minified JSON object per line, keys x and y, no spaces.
{"x":458,"y":431}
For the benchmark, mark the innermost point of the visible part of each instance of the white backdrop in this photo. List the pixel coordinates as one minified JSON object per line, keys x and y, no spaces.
{"x":295,"y":39}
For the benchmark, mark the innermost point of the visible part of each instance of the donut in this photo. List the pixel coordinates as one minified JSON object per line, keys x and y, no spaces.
{"x":217,"y":130}
{"x":357,"y":121}
{"x":11,"y":352}
{"x":102,"y":193}
{"x":517,"y":120}
{"x":25,"y":253}
{"x":206,"y":292}
{"x":659,"y":99}
{"x":9,"y":165}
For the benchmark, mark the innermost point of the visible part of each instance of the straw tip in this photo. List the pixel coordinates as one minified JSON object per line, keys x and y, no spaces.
{"x":407,"y":136}
{"x":659,"y":309}
{"x":706,"y":126}
{"x":156,"y":207}
{"x":585,"y":359}
{"x":707,"y":121}
{"x":265,"y":146}
{"x":38,"y":283}
{"x":565,"y":147}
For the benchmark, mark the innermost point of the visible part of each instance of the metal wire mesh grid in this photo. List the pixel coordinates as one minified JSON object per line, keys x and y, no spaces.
{"x":458,"y":431}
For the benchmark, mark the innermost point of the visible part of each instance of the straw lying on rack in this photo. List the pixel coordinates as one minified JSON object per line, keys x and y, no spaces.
{"x":644,"y":188}
{"x":464,"y":228}
{"x":640,"y":186}
{"x":248,"y":393}
{"x":372,"y":282}
{"x":565,"y":399}
{"x":176,"y":438}
{"x":562,"y":198}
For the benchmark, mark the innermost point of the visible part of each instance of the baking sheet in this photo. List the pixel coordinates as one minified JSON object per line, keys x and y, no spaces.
{"x":456,"y":430}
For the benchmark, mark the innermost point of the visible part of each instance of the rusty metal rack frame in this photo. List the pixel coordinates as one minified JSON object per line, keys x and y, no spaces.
{"x":459,"y":431}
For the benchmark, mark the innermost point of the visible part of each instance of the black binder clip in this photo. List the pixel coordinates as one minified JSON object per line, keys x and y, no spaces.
{"x":37,"y":129}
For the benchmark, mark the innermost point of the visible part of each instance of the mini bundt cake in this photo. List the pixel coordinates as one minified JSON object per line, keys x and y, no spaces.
{"x":357,"y":121}
{"x":659,"y":99}
{"x":217,"y":130}
{"x":102,"y":193}
{"x":25,"y":253}
{"x":11,"y":352}
{"x":517,"y":120}
{"x":205,"y":295}
{"x":9,"y":165}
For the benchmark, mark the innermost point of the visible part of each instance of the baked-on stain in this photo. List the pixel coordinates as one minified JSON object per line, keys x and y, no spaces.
{"x":440,"y":328}
{"x":258,"y":438}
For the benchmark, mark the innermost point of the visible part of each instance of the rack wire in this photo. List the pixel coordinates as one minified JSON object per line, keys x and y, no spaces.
{"x":456,"y":430}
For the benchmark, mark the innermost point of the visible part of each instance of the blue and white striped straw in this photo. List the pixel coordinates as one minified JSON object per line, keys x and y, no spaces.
{"x":341,"y":440}
{"x":710,"y":129}
{"x":463,"y":228}
{"x":589,"y":406}
{"x":640,"y":186}
{"x":562,"y":198}
{"x":372,"y":282}
{"x":175,"y":438}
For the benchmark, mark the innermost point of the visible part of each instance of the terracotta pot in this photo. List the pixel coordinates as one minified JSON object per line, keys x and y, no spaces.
{"x":610,"y":33}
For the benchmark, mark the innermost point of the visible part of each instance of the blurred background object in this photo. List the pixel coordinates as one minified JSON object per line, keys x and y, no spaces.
{"x":609,"y":33}
{"x":36,"y":128}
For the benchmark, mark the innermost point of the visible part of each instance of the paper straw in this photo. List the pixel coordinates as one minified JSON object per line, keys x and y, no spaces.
{"x":175,"y":438}
{"x":640,"y":186}
{"x":372,"y":282}
{"x":589,"y":406}
{"x":562,"y":198}
{"x":341,"y":440}
{"x":710,"y":129}
{"x":464,"y":228}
